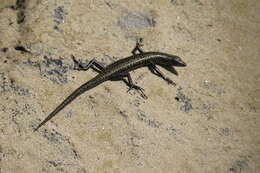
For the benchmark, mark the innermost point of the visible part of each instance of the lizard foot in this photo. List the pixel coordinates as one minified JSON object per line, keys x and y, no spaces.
{"x":139,"y":89}
{"x":169,"y":81}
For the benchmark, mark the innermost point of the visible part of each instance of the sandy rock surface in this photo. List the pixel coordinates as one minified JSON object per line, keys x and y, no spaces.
{"x":208,"y":123}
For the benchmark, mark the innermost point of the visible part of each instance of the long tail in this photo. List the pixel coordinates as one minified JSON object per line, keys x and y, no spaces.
{"x":83,"y":88}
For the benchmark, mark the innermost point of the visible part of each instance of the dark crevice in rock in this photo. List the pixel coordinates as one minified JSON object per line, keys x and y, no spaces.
{"x":20,"y":6}
{"x":5,"y":49}
{"x":22,"y":49}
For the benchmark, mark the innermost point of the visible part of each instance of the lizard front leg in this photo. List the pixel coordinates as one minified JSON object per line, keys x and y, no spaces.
{"x":138,"y":46}
{"x":152,"y":67}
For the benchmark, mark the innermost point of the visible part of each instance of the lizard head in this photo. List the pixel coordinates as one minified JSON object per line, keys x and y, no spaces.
{"x":172,"y":60}
{"x":177,"y":61}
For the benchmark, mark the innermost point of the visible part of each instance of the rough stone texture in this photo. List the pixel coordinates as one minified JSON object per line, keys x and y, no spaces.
{"x":209,"y":122}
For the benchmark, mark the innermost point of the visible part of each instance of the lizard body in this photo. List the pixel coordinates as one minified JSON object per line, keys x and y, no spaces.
{"x":120,"y":69}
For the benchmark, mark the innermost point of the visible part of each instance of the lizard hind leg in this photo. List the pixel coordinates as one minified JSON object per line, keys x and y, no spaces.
{"x":129,"y":83}
{"x":133,"y":86}
{"x":93,"y":64}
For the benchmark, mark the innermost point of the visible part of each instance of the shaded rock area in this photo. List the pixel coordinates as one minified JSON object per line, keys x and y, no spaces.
{"x":209,"y":122}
